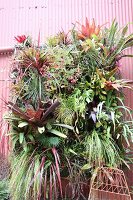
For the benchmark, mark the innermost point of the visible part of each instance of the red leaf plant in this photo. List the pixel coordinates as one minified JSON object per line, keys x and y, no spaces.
{"x":20,"y":38}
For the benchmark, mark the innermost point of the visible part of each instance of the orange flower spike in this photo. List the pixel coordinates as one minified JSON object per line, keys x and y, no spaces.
{"x":88,"y":30}
{"x":92,"y":28}
{"x":84,"y":31}
{"x":97,"y":30}
{"x":87,"y":24}
{"x":87,"y":27}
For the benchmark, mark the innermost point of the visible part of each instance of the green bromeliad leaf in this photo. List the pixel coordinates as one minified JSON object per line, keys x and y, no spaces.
{"x":58,"y":133}
{"x":21,"y":137}
{"x":64,"y":126}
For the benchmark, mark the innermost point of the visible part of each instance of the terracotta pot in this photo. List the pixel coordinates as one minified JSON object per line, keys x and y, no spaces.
{"x":67,"y":189}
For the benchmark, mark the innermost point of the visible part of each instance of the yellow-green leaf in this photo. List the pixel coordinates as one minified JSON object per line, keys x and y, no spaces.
{"x":58,"y":133}
{"x":22,"y":124}
{"x":86,"y":166}
{"x":21,"y":138}
{"x":73,"y":152}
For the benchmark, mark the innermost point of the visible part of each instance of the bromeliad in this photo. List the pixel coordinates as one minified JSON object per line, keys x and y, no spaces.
{"x":20,"y":38}
{"x":88,"y":30}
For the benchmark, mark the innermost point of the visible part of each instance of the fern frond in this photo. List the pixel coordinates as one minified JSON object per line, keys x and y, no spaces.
{"x":48,"y":141}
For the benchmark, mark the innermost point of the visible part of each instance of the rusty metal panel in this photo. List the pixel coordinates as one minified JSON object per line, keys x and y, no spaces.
{"x":109,"y":183}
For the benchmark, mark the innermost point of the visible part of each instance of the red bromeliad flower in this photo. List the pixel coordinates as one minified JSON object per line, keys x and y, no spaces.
{"x":88,"y":30}
{"x":20,"y":39}
{"x":35,"y":117}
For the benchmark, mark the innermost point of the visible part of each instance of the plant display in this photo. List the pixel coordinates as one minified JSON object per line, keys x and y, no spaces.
{"x":4,"y":192}
{"x":67,"y":111}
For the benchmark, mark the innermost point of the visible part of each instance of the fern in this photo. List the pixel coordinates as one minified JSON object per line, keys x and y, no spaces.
{"x":65,"y":113}
{"x":48,"y":141}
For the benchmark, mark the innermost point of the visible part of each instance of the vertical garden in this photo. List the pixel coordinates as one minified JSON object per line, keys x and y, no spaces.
{"x":67,"y":113}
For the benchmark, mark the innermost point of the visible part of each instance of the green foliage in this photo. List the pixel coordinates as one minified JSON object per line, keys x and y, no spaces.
{"x":101,"y":148}
{"x":4,"y":191}
{"x":67,"y":111}
{"x":31,"y":174}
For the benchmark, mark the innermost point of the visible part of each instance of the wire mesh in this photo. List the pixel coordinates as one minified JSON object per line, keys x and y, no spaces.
{"x":109,"y":184}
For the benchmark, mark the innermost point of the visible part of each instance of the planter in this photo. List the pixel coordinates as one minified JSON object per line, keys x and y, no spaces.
{"x":67,"y":189}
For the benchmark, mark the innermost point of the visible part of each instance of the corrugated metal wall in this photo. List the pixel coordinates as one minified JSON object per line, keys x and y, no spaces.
{"x":51,"y":16}
{"x":4,"y":93}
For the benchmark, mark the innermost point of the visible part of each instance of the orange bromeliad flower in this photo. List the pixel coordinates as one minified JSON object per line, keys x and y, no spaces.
{"x":88,"y":30}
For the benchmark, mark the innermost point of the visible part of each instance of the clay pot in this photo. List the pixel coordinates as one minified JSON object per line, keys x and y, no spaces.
{"x":72,"y":192}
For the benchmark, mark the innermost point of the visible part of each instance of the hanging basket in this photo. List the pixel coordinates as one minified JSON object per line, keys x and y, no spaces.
{"x":109,"y":184}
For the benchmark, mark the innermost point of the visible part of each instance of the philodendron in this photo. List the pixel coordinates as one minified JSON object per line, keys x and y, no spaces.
{"x":66,"y":112}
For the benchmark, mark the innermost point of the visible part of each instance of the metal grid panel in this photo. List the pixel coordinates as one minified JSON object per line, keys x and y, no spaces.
{"x":109,"y":184}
